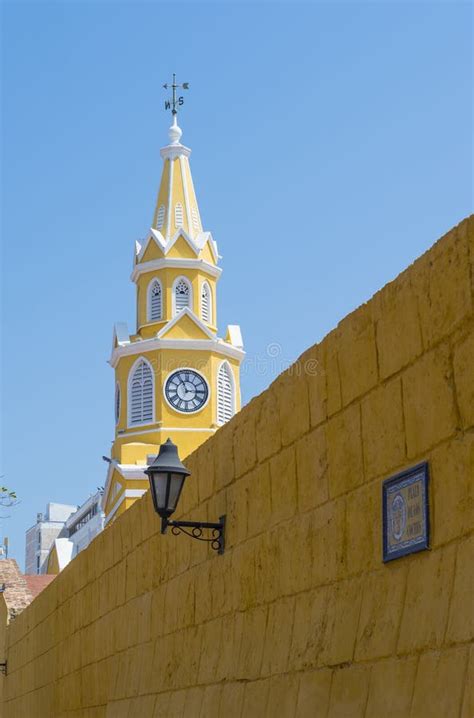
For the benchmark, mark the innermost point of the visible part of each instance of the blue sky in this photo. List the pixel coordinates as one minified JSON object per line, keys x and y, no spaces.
{"x":332,"y":145}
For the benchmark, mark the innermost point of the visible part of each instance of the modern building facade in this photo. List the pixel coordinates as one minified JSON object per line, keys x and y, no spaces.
{"x":61,"y":533}
{"x":79,"y":530}
{"x":174,"y":377}
{"x":41,"y":536}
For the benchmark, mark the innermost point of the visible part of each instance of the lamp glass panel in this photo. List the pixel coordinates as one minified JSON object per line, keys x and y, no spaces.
{"x":159,"y":482}
{"x":176,"y":484}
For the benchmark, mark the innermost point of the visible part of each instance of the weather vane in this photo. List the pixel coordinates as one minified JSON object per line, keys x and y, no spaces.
{"x":175,"y":100}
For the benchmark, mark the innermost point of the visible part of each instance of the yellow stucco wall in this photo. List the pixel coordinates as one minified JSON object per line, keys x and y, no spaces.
{"x":299,"y":618}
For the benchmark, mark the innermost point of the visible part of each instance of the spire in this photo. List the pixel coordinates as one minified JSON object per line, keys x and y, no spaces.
{"x":176,"y":204}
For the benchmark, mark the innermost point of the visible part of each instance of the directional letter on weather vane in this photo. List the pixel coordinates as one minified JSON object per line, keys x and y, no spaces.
{"x":175,"y":101}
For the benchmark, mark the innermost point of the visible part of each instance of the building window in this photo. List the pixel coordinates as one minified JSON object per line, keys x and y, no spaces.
{"x":85,"y":518}
{"x":195,"y":216}
{"x":206,"y":303}
{"x":39,"y":540}
{"x":155,"y":304}
{"x":225,"y":394}
{"x":178,"y":215}
{"x":140,"y":399}
{"x":160,"y":217}
{"x":117,"y":403}
{"x":38,"y":564}
{"x":182,"y":295}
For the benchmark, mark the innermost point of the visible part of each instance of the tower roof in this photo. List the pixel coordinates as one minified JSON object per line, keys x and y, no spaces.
{"x":176,"y":205}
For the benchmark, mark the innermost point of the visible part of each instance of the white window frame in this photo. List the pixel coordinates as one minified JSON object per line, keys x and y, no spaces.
{"x":195,"y":217}
{"x":178,"y":209}
{"x":225,"y":363}
{"x":154,"y":281}
{"x":117,"y":403}
{"x":131,"y":372}
{"x":175,"y":283}
{"x":160,"y":217}
{"x":209,"y":292}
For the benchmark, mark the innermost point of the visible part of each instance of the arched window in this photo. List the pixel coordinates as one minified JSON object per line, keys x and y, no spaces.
{"x":206,"y":303}
{"x":140,"y":394}
{"x":225,"y":394}
{"x":155,"y":301}
{"x":178,"y":215}
{"x":160,"y":217}
{"x":117,"y":403}
{"x":182,"y":295}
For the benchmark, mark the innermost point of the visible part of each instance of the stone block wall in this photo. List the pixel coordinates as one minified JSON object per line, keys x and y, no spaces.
{"x":299,"y":618}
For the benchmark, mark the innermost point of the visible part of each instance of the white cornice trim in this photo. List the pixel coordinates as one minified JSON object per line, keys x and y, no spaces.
{"x":130,"y":472}
{"x":184,"y":177}
{"x":170,"y":200}
{"x":108,"y":482}
{"x":171,"y":263}
{"x":120,"y":334}
{"x":234,"y":336}
{"x":121,"y":434}
{"x":196,"y":244}
{"x":112,"y":513}
{"x":127,"y":494}
{"x":176,"y":319}
{"x":170,"y":152}
{"x":186,"y":428}
{"x":147,"y":345}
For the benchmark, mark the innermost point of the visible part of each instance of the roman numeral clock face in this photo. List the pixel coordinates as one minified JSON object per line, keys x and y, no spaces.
{"x":186,"y":391}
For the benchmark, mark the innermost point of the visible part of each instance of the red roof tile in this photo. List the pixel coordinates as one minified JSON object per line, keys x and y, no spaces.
{"x":18,"y":589}
{"x":37,"y":583}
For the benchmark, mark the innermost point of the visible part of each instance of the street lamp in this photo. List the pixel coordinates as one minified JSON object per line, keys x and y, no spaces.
{"x":167,"y":475}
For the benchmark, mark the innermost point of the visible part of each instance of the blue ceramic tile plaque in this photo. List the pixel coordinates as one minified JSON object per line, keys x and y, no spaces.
{"x":405,"y":512}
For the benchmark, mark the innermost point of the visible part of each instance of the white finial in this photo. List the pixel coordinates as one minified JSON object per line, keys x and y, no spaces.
{"x":175,"y":132}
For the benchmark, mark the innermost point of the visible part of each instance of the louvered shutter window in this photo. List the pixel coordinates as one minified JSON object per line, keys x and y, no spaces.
{"x":225,"y":394}
{"x":155,"y":302}
{"x":206,"y":302}
{"x":178,"y":215}
{"x":117,"y":403}
{"x":141,"y":394}
{"x":160,"y":218}
{"x":181,"y":295}
{"x":195,"y":217}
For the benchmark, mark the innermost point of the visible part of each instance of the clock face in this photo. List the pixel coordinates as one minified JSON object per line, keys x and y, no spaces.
{"x":186,"y":390}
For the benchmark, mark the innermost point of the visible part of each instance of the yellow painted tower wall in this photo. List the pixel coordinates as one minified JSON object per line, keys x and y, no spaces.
{"x":163,"y":363}
{"x":299,"y":618}
{"x":167,"y":278}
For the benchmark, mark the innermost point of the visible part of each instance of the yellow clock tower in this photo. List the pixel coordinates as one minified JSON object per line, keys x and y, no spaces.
{"x":174,"y":377}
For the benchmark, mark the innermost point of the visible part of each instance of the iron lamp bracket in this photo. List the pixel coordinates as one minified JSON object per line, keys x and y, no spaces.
{"x":195,"y":529}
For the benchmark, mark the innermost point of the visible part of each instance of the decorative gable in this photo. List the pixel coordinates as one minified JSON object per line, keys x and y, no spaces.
{"x":181,"y":250}
{"x":185,"y":325}
{"x":207,"y":255}
{"x":151,"y":252}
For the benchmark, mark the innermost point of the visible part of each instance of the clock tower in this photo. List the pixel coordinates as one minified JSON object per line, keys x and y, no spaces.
{"x":174,"y":377}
